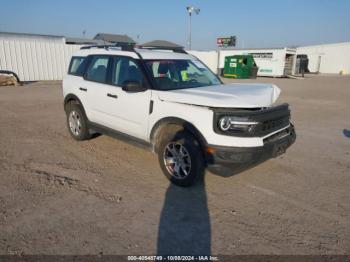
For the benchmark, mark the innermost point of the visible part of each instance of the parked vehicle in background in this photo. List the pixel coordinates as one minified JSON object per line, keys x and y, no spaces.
{"x":170,"y":102}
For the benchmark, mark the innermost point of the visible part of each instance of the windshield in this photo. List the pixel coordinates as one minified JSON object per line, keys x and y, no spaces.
{"x":179,"y":74}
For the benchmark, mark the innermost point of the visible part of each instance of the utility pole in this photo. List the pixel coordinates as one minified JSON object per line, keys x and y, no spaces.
{"x":190,"y":32}
{"x":190,"y":10}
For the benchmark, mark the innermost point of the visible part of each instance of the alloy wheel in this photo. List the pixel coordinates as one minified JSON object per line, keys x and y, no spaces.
{"x":177,"y":160}
{"x":75,"y":125}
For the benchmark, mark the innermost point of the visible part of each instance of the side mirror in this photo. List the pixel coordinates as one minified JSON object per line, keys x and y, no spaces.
{"x":133,"y":86}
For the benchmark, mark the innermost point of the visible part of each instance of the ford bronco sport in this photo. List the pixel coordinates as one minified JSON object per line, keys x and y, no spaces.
{"x":170,"y":102}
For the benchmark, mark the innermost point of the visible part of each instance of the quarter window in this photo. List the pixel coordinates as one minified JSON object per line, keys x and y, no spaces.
{"x":77,"y":66}
{"x":97,"y":70}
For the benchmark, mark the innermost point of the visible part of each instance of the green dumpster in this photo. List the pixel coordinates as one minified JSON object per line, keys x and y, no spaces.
{"x":240,"y":66}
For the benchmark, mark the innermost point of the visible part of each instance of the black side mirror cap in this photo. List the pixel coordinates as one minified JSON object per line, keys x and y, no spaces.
{"x":133,"y":86}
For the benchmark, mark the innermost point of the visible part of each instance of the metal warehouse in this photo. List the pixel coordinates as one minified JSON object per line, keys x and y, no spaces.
{"x":329,"y":58}
{"x":35,"y":57}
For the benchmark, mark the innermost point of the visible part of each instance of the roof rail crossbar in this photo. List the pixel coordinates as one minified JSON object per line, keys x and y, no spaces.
{"x":122,"y":47}
{"x":96,"y":46}
{"x":131,"y":48}
{"x":174,"y":49}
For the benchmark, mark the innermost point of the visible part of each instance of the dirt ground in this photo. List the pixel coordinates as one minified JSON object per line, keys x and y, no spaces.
{"x":103,"y":196}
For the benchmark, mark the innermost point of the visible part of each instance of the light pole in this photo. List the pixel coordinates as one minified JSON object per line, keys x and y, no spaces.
{"x":190,"y":10}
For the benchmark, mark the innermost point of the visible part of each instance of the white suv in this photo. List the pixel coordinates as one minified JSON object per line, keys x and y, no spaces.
{"x":170,"y":102}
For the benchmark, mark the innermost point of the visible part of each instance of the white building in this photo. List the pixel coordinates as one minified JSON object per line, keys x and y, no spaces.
{"x":35,"y":57}
{"x":329,"y":58}
{"x":210,"y":58}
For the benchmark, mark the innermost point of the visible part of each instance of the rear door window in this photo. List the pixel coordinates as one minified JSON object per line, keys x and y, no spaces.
{"x":97,"y":70}
{"x":125,"y":69}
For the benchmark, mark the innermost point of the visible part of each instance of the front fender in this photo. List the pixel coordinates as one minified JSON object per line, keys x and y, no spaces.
{"x":177,"y":121}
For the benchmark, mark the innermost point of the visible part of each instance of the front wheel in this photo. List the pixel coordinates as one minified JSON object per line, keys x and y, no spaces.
{"x":77,"y":122}
{"x":181,"y":158}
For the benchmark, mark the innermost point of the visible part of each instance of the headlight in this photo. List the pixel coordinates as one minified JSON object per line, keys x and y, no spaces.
{"x":235,"y":125}
{"x":224,"y":123}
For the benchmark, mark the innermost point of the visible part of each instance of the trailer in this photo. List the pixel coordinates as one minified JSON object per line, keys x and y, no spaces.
{"x":273,"y":62}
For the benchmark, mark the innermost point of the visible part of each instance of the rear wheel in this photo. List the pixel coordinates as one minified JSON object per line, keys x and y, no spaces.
{"x":180,"y":158}
{"x":77,"y":122}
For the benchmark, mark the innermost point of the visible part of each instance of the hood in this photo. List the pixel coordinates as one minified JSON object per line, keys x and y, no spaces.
{"x":230,"y":96}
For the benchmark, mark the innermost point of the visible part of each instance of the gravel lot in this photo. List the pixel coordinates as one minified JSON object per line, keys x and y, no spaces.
{"x":103,"y":196}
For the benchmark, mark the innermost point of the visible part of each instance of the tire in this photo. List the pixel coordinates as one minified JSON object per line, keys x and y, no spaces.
{"x":180,"y":157}
{"x":77,"y":122}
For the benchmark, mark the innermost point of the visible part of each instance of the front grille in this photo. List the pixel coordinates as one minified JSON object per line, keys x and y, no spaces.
{"x":271,"y":125}
{"x":274,"y":123}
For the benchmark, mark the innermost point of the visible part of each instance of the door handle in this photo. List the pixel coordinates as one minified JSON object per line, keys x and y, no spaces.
{"x":111,"y":95}
{"x":83,"y":89}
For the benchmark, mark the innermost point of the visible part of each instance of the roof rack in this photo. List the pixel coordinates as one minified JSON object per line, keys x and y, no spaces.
{"x":122,"y":47}
{"x":174,"y":49}
{"x":131,"y":48}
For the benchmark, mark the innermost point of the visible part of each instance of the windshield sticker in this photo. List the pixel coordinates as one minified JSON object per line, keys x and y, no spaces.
{"x":198,"y":64}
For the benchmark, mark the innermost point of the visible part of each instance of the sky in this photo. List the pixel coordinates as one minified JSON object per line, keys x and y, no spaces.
{"x":268,"y":23}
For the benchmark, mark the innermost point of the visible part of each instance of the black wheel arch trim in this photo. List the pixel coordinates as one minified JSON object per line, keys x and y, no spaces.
{"x":181,"y":122}
{"x":71,"y":97}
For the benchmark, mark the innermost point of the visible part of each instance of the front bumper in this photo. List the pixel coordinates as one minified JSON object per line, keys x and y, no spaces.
{"x":231,"y":160}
